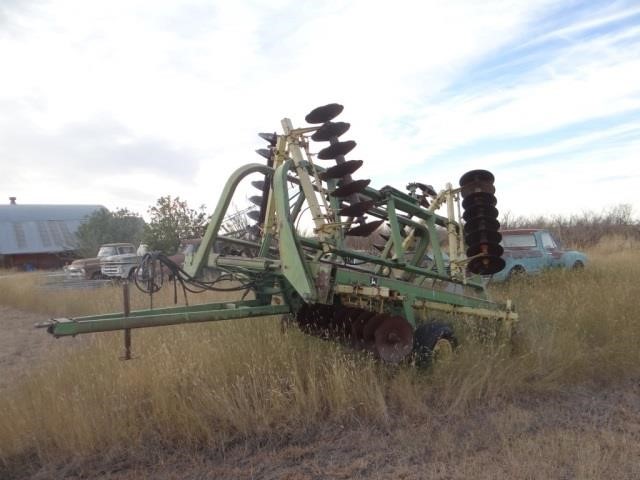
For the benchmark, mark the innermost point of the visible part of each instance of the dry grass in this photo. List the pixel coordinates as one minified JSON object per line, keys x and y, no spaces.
{"x":207,"y":387}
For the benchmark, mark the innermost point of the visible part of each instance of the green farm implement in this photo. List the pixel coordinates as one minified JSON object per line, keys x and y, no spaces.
{"x":418,"y":278}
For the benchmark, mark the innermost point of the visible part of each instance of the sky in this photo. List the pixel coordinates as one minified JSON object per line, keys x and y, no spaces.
{"x":121,"y":102}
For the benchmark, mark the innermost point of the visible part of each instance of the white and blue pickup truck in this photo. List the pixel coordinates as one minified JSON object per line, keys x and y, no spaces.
{"x":531,"y":251}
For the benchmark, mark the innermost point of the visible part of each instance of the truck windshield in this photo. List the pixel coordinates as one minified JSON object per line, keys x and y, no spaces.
{"x":514,"y":241}
{"x":127,"y":249}
{"x":106,"y":251}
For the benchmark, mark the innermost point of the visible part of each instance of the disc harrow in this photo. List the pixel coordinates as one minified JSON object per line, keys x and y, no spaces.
{"x":385,"y":297}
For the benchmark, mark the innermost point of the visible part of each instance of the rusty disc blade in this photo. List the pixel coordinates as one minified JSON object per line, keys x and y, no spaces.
{"x":369,"y":330}
{"x":256,"y":200}
{"x":364,"y":229}
{"x":341,"y":170}
{"x":330,"y":130}
{"x":357,"y":209}
{"x":259,"y":184}
{"x":477,"y":186}
{"x":385,"y":236}
{"x":264,"y":152}
{"x":348,"y":189}
{"x":480,"y":211}
{"x":477,"y":199}
{"x":336,"y":150}
{"x":486,"y":249}
{"x":393,"y":339}
{"x":324,"y":113}
{"x":475,"y":175}
{"x":272,"y":138}
{"x":254,"y":215}
{"x":378,"y":247}
{"x":486,"y":265}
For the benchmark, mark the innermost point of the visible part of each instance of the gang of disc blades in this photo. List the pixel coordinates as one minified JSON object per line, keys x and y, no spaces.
{"x":341,"y":170}
{"x":330,"y":130}
{"x":336,"y":150}
{"x":324,"y":113}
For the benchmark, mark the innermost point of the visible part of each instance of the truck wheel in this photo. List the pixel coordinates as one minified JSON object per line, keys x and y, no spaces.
{"x":578,"y":265}
{"x":517,"y":272}
{"x":96,"y":276}
{"x":434,"y":342}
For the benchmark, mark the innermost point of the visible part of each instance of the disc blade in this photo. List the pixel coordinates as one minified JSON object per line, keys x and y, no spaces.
{"x":259,"y":184}
{"x":486,"y":265}
{"x":272,"y":138}
{"x":378,"y":247}
{"x":256,"y":200}
{"x":336,"y":150}
{"x":324,"y":113}
{"x":385,"y":236}
{"x":481,"y":223}
{"x":348,"y":189}
{"x":330,"y":130}
{"x":486,"y":249}
{"x":341,"y":170}
{"x":482,"y":237}
{"x":264,"y":152}
{"x":477,"y":187}
{"x":393,"y":339}
{"x":369,"y":330}
{"x":480,"y":211}
{"x":481,"y":175}
{"x":364,"y":230}
{"x":357,"y":327}
{"x":357,"y":209}
{"x":477,"y":199}
{"x":254,"y":215}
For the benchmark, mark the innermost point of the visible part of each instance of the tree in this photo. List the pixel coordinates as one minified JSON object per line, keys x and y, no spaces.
{"x":103,"y":226}
{"x":171,"y":221}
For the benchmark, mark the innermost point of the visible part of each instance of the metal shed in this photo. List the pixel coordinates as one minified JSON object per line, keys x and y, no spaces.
{"x":39,"y":236}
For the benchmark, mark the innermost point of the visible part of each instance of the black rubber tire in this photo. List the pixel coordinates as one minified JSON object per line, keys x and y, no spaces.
{"x":578,"y":265}
{"x":425,"y":338}
{"x":96,"y":276}
{"x":516,"y":272}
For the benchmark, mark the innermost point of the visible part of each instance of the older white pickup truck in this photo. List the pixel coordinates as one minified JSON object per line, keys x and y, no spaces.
{"x":118,"y":260}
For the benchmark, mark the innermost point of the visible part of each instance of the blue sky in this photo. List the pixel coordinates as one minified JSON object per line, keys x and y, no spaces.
{"x":121,"y":102}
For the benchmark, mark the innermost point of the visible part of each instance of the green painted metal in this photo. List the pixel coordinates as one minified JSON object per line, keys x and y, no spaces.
{"x":162,"y":317}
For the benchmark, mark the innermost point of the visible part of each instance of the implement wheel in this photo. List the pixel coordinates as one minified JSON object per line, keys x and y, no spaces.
{"x":434,"y":343}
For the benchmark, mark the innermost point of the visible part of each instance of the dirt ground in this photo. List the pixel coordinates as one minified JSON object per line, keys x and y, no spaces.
{"x":23,"y":347}
{"x":588,"y":432}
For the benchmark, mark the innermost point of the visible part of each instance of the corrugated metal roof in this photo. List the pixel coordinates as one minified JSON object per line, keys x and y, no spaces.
{"x":41,"y":228}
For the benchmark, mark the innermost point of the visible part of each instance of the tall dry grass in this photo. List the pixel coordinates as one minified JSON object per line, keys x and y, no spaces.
{"x":209,"y":386}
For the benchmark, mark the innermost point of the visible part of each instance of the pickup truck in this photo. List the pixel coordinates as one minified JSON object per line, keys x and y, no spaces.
{"x":91,"y":268}
{"x":530,"y":251}
{"x":118,"y":260}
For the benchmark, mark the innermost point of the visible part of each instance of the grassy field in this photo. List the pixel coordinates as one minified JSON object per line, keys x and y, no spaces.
{"x":213,"y":387}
